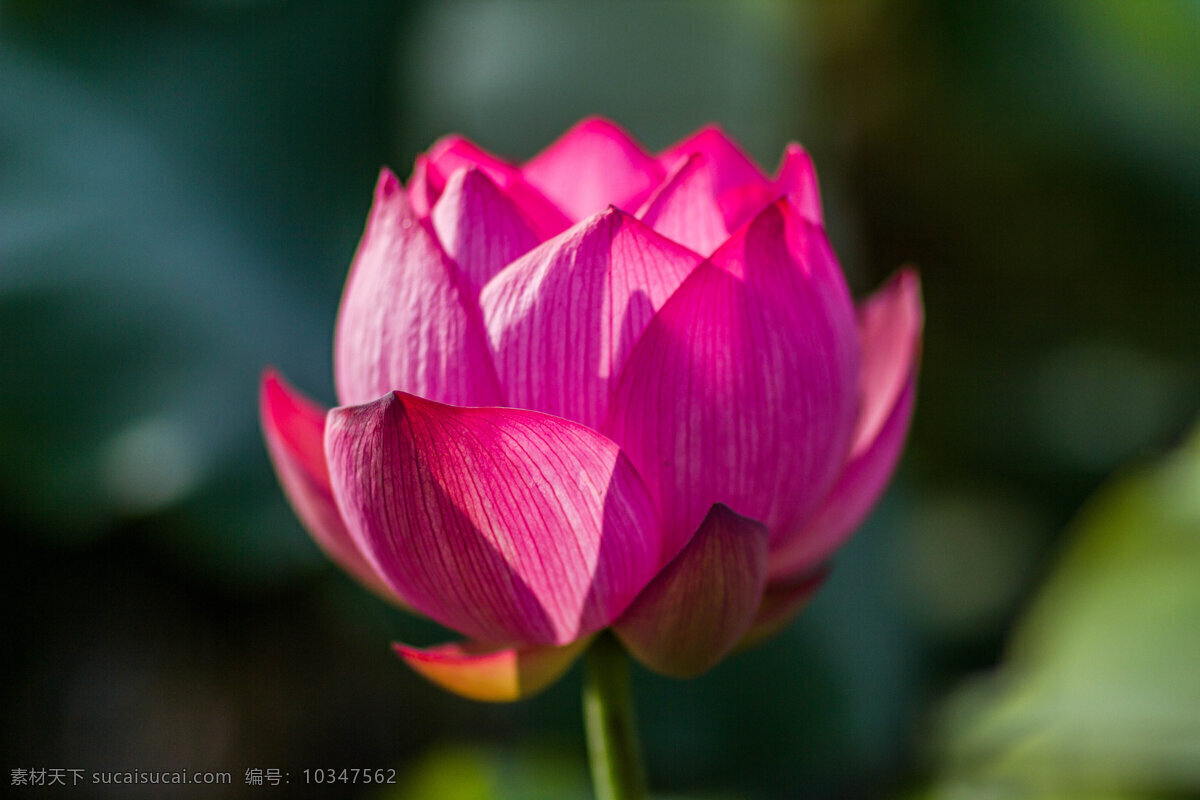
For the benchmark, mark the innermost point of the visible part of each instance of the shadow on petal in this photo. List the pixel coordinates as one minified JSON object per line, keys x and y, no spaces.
{"x":504,"y":524}
{"x":697,"y":608}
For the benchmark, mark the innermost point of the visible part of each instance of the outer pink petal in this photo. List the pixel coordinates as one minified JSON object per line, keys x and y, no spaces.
{"x":294,"y":428}
{"x":563,"y":319}
{"x":492,"y":673}
{"x":695,"y":610}
{"x":742,"y":390}
{"x":684,"y":209}
{"x":741,"y":189}
{"x":407,"y":320}
{"x":890,"y":324}
{"x":424,"y":186}
{"x":593,"y":165}
{"x":452,"y":153}
{"x":852,"y":498}
{"x":798,"y":180}
{"x":504,"y":524}
{"x":731,"y":166}
{"x":479,"y":227}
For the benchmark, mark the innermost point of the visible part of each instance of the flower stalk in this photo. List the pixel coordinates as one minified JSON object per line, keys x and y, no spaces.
{"x":613,"y":750}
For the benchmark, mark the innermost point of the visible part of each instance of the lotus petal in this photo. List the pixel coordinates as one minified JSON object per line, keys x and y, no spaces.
{"x":294,"y":428}
{"x":492,"y":673}
{"x":695,"y":610}
{"x":562,"y":320}
{"x":740,"y":187}
{"x":408,"y":320}
{"x":798,"y":180}
{"x":890,"y":323}
{"x":684,"y":209}
{"x":854,"y":495}
{"x":730,"y":165}
{"x":479,"y":227}
{"x":742,"y":390}
{"x":503,"y":524}
{"x":452,"y":153}
{"x":424,"y":186}
{"x":594,"y":165}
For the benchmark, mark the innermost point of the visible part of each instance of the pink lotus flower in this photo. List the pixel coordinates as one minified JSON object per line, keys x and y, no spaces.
{"x":601,"y":389}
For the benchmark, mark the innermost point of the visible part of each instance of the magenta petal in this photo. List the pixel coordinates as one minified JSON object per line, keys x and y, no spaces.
{"x":479,"y":227}
{"x":407,"y":320}
{"x":452,"y":153}
{"x":424,"y":186}
{"x":742,"y":390}
{"x":739,"y":185}
{"x":593,"y":165}
{"x":294,"y":428}
{"x":504,"y":524}
{"x":562,"y":319}
{"x":741,"y":188}
{"x":889,"y":324}
{"x":730,"y":165}
{"x":798,"y":180}
{"x":492,"y":673}
{"x":684,"y":209}
{"x":854,"y":495}
{"x":699,"y":606}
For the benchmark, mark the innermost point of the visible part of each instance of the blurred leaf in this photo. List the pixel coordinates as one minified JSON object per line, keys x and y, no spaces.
{"x":1101,"y":693}
{"x":476,"y":773}
{"x":466,"y":772}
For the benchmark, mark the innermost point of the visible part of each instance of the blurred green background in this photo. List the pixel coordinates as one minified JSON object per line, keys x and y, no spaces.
{"x":182,"y":186}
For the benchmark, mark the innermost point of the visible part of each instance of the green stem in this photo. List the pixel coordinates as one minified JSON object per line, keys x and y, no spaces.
{"x":608,"y":716}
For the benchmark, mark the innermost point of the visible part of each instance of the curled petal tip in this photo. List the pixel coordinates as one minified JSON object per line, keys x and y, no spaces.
{"x":908,"y":279}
